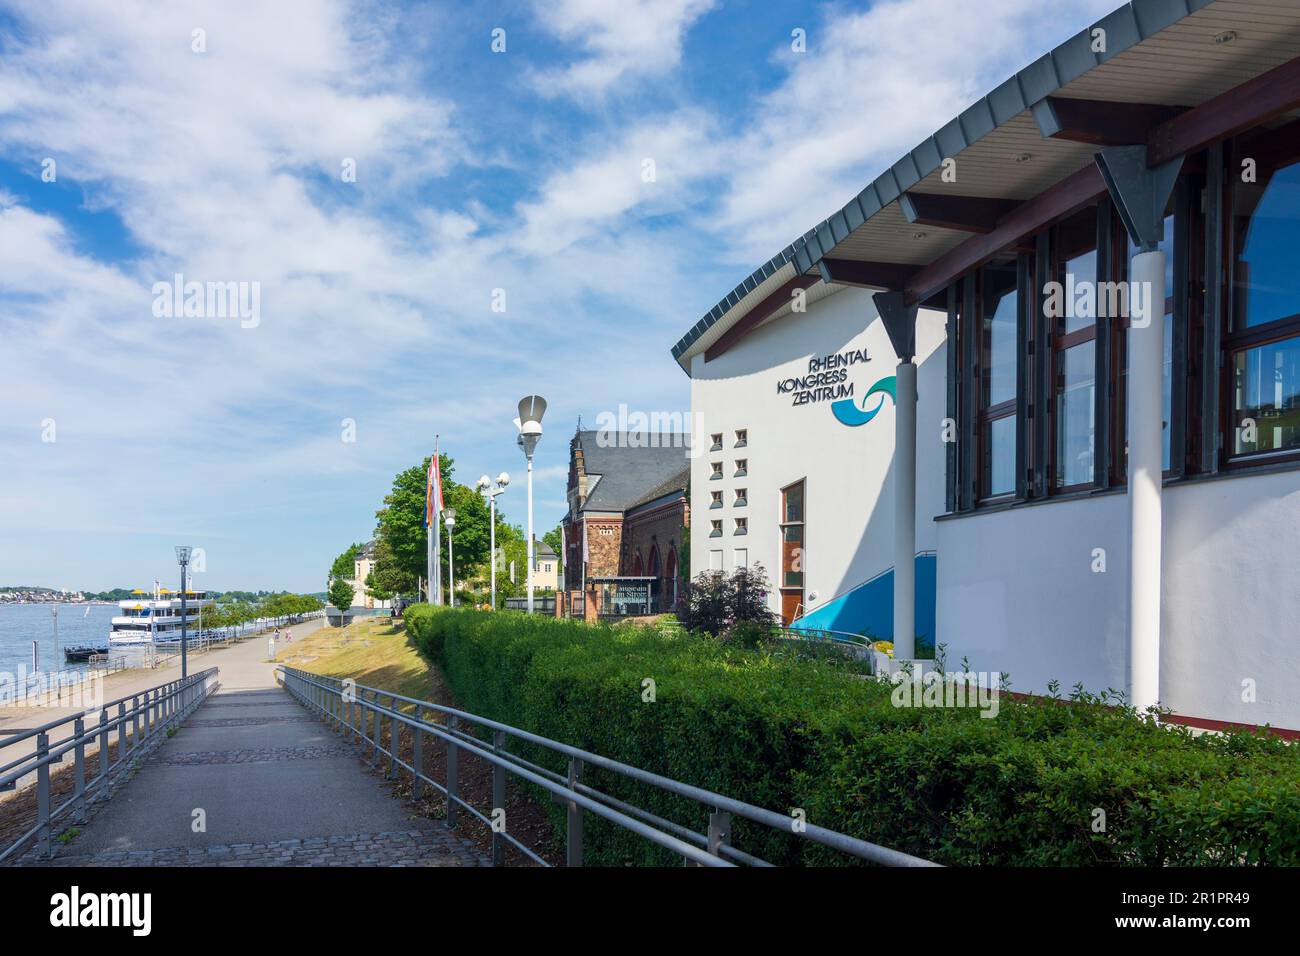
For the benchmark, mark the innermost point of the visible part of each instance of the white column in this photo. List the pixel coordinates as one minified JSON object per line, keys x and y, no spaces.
{"x":905,"y":512}
{"x":1145,"y":467}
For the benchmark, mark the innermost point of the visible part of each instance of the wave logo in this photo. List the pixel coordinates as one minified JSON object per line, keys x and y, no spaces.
{"x":848,"y":413}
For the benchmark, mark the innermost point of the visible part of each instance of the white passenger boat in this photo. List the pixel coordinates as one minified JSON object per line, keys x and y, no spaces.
{"x":156,"y":618}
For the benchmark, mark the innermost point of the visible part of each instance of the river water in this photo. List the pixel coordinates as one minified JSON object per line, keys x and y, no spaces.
{"x":79,"y":624}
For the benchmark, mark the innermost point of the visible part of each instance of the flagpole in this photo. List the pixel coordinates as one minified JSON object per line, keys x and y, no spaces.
{"x":435,"y":541}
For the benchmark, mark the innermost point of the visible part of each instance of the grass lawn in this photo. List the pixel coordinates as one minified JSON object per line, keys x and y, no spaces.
{"x":372,"y":652}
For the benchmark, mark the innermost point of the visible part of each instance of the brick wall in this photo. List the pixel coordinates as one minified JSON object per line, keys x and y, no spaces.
{"x":655,"y":530}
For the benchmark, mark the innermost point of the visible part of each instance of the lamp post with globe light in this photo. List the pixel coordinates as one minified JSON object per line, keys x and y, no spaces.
{"x":449,"y":516}
{"x":489,"y":490}
{"x":183,"y":559}
{"x":529,"y":423}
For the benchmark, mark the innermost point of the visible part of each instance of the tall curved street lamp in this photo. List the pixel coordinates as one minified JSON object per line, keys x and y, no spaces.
{"x":529,"y":423}
{"x":449,"y":516}
{"x":183,"y":559}
{"x":490,"y":491}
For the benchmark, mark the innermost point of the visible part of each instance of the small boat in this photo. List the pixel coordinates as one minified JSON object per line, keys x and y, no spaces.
{"x":82,"y":653}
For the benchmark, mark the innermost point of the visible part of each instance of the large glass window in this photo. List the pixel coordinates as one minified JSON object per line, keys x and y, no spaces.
{"x":999,"y":322}
{"x":1263,"y":340}
{"x":792,"y":551}
{"x":1266,"y":398}
{"x":1073,"y":309}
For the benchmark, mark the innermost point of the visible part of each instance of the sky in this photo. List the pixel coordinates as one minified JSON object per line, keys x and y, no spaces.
{"x":439,"y":208}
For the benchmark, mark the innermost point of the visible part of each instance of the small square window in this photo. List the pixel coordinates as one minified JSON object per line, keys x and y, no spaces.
{"x":716,"y":441}
{"x":742,"y":437}
{"x":742,"y":497}
{"x":717,"y":500}
{"x":717,"y":529}
{"x":717,"y":469}
{"x":742,"y":467}
{"x":742,"y":526}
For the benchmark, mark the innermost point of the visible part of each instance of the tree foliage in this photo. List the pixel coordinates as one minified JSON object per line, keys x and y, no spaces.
{"x":344,"y":565}
{"x":402,"y":539}
{"x":341,"y":594}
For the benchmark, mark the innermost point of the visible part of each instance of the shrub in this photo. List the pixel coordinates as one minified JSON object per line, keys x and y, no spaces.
{"x":947,"y":784}
{"x":714,"y":603}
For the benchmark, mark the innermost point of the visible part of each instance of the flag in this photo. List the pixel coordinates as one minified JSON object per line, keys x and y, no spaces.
{"x":433,"y":493}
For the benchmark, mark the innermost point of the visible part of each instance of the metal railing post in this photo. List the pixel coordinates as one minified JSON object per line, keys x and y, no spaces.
{"x":498,"y":798}
{"x":453,"y":723}
{"x":103,"y":748}
{"x":79,"y":771}
{"x":394,"y":735}
{"x":573,"y":856}
{"x":719,"y":831}
{"x":135,"y":723}
{"x":43,"y":794}
{"x":121,"y":734}
{"x":417,"y":754}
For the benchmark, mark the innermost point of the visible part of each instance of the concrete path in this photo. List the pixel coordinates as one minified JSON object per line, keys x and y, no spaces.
{"x":252,"y":779}
{"x":16,"y":719}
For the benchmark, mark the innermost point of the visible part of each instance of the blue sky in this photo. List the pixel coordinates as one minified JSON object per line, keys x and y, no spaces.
{"x":475,"y":171}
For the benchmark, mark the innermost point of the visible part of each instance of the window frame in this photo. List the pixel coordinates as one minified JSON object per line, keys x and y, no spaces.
{"x":1234,"y":341}
{"x":986,"y":415}
{"x":782,"y":588}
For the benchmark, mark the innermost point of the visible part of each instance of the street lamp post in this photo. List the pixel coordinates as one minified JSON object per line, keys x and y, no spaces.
{"x":529,"y":423}
{"x":450,"y":517}
{"x":490,"y":492}
{"x":183,"y":559}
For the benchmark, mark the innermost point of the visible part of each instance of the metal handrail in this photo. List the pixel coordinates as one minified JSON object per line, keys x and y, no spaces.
{"x":150,"y":713}
{"x":362,"y":710}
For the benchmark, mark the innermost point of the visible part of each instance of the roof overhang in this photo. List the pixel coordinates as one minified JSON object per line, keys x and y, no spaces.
{"x":1172,"y":75}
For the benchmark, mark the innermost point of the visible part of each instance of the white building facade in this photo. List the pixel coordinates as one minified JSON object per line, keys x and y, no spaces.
{"x":1090,"y":274}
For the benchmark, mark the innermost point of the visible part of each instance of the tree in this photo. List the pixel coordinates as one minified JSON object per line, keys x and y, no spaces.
{"x":341,"y":594}
{"x":344,"y":565}
{"x":402,"y":533}
{"x":555,"y":538}
{"x":376,"y":590}
{"x":388,"y":577}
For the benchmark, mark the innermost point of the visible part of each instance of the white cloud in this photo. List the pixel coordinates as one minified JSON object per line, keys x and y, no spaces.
{"x":870,"y":87}
{"x":629,"y":39}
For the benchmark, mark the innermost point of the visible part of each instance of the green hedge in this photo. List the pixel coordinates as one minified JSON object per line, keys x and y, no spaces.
{"x":1019,"y":789}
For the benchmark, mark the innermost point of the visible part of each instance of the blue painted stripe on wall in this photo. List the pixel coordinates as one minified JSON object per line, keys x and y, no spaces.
{"x":868,"y":609}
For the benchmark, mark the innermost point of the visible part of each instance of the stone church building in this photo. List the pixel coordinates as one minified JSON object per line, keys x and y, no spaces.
{"x":628,"y":516}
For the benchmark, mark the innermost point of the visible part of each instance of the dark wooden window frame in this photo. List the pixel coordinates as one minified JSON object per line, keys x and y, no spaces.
{"x":1282,"y":148}
{"x":802,"y":524}
{"x":986,"y":415}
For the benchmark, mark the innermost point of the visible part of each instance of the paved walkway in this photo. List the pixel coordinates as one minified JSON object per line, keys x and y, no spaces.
{"x":251,"y":779}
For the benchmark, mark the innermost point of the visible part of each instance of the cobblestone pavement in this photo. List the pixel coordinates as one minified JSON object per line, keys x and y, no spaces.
{"x":272,"y":786}
{"x":410,"y":848}
{"x":260,"y":755}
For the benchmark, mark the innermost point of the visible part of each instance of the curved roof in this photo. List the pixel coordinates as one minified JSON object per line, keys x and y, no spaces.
{"x":1125,"y":28}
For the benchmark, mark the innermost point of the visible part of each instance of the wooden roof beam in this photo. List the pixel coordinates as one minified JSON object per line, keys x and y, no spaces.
{"x":1100,"y":122}
{"x":770,"y":304}
{"x":962,"y":213}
